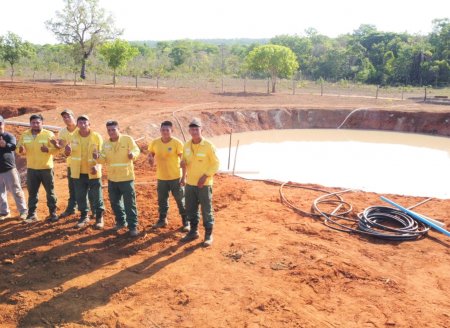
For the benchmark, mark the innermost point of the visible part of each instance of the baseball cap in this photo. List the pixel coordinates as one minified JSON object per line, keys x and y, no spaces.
{"x":196,"y":122}
{"x":83,"y":117}
{"x":67,"y":111}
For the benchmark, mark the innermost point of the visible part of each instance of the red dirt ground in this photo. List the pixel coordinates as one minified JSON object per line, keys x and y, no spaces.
{"x":268,"y":267}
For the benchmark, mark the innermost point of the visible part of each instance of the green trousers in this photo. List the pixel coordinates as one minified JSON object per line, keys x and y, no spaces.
{"x":34,"y":180}
{"x":123,"y":202}
{"x":196,"y":196}
{"x":72,"y":202}
{"x":89,"y":188}
{"x":164,"y":187}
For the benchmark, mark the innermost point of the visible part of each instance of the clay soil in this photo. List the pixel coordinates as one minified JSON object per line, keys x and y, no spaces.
{"x":268,"y":267}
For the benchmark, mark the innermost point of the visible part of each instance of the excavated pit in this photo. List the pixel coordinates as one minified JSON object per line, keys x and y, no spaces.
{"x":221,"y":122}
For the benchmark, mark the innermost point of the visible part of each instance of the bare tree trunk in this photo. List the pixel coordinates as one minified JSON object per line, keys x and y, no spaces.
{"x":34,"y":74}
{"x":83,"y":66}
{"x":245,"y":84}
{"x":95,"y":78}
{"x":136,"y":80}
{"x":74,"y":78}
{"x":274,"y":82}
{"x":50,"y":76}
{"x":114,"y":78}
{"x":12,"y":72}
{"x":157,"y":82}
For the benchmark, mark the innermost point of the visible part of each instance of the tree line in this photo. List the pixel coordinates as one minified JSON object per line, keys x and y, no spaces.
{"x":90,"y":43}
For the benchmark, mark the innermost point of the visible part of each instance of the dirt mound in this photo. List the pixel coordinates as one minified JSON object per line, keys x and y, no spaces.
{"x":10,"y":111}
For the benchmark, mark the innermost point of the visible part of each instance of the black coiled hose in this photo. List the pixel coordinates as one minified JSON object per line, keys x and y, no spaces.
{"x":376,"y":221}
{"x":389,"y":223}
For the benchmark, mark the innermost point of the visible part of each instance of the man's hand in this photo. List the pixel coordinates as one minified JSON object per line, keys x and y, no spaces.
{"x":22,"y":150}
{"x":58,"y":143}
{"x":130,"y":155}
{"x":151,"y":159}
{"x":68,"y":149}
{"x":94,"y":170}
{"x":55,"y":143}
{"x":95,"y":154}
{"x":183,"y":164}
{"x":44,"y":149}
{"x":2,"y":142}
{"x":201,"y":181}
{"x":182,"y":181}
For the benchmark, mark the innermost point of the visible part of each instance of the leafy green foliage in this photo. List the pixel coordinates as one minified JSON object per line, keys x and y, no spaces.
{"x":365,"y":55}
{"x":117,"y":54}
{"x":12,"y":49}
{"x":274,"y":60}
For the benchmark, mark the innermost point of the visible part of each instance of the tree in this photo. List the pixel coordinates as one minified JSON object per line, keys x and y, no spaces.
{"x":117,"y":54}
{"x":274,"y":60}
{"x":160,"y":65}
{"x":84,"y":24}
{"x":12,"y":49}
{"x":301,"y":46}
{"x":440,"y":38}
{"x":180,"y":53}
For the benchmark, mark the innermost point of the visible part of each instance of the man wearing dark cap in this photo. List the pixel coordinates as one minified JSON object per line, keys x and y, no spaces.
{"x":65,"y":137}
{"x":39,"y":150}
{"x":167,"y":151}
{"x":9,"y":177}
{"x":86,"y":172}
{"x":201,"y":163}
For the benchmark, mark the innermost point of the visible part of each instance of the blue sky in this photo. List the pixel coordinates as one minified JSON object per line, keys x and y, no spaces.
{"x":177,"y":19}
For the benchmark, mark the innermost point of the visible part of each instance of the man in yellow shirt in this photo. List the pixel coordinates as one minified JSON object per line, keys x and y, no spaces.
{"x":86,"y":172}
{"x":35,"y":144}
{"x":65,"y":137}
{"x":119,"y":153}
{"x":201,"y":162}
{"x":167,"y":151}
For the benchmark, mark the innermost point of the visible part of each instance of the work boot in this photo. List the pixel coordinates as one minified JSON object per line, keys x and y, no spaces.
{"x":53,"y":217}
{"x":120,"y":226}
{"x":160,"y":224}
{"x":134,"y":232}
{"x":4,"y":216}
{"x":186,"y":224}
{"x":65,"y":214}
{"x":99,"y":223}
{"x":208,"y":237}
{"x":83,"y":221}
{"x":191,"y":235}
{"x":186,"y":227}
{"x":31,"y":218}
{"x":23,"y":216}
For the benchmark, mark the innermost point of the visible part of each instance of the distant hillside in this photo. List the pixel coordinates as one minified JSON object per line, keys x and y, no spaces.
{"x":240,"y":41}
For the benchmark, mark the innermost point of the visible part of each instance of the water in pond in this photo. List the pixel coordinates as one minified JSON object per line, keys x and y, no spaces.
{"x":382,"y":162}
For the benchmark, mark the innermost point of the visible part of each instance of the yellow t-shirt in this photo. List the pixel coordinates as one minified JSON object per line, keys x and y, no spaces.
{"x":36,"y":159}
{"x":201,"y":159}
{"x":66,"y":135}
{"x":84,"y":169}
{"x":115,"y":155}
{"x":167,"y":157}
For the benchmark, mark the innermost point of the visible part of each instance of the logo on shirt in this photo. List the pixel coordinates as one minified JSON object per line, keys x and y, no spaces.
{"x":169,"y":149}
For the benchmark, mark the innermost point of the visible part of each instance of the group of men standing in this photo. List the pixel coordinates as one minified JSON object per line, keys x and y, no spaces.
{"x":186,"y":171}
